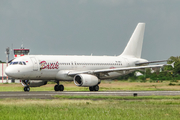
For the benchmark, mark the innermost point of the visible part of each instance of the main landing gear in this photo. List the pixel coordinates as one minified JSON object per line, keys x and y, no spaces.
{"x":58,"y":87}
{"x":94,"y":88}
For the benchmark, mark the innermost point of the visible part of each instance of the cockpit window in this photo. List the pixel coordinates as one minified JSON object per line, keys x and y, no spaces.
{"x":24,"y":63}
{"x":18,"y":63}
{"x":15,"y":63}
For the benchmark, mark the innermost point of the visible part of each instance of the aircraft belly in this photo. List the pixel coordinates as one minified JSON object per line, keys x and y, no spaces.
{"x":45,"y":75}
{"x":63,"y":75}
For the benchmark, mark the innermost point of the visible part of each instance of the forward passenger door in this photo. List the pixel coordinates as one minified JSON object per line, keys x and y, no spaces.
{"x":35,"y":64}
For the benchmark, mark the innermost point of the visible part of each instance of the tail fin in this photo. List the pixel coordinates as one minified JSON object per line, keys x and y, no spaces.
{"x":134,"y":46}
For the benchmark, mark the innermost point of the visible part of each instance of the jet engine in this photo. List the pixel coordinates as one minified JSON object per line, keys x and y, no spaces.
{"x":33,"y":83}
{"x":85,"y":80}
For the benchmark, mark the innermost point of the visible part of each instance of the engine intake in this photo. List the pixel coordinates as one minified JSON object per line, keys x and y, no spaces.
{"x":85,"y":80}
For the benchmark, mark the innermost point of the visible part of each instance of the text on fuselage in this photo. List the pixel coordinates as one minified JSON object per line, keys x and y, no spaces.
{"x":45,"y":65}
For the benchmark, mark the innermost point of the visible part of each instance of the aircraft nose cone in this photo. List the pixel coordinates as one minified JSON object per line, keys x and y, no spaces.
{"x":9,"y":72}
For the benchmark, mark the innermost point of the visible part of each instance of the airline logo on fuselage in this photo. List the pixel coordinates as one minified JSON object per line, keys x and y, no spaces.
{"x":51,"y":65}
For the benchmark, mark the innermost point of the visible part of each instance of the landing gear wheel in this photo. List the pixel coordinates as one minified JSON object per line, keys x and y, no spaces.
{"x":56,"y":88}
{"x":96,"y":88}
{"x":61,"y":87}
{"x":91,"y":89}
{"x":26,"y":89}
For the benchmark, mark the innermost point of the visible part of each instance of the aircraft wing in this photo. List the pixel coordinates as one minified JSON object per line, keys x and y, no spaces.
{"x":72,"y":73}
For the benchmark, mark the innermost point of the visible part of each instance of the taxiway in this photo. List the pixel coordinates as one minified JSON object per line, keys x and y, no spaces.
{"x":50,"y":94}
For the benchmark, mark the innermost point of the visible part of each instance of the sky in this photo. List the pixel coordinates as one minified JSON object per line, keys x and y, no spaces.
{"x":85,"y":27}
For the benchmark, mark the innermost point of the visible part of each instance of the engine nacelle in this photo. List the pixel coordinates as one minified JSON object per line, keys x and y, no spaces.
{"x":33,"y":83}
{"x":85,"y":80}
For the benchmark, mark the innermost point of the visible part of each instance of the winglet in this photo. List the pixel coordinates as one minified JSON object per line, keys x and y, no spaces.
{"x":172,"y":64}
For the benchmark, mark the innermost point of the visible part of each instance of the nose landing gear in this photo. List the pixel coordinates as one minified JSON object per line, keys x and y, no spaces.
{"x":58,"y":87}
{"x":26,"y":87}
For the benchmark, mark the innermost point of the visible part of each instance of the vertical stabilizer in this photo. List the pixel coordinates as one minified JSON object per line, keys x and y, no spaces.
{"x":134,"y":46}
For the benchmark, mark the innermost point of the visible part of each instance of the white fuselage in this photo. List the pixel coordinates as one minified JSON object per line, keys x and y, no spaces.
{"x":49,"y":67}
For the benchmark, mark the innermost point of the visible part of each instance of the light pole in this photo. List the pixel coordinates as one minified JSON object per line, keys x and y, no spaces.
{"x":7,"y":59}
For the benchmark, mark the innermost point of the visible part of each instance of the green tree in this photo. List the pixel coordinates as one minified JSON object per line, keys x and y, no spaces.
{"x":2,"y":61}
{"x":168,"y":72}
{"x":126,"y":77}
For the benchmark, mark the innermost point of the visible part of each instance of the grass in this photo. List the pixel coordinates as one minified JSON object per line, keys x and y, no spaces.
{"x":93,"y":107}
{"x":104,"y":86}
{"x":102,"y":97}
{"x":32,"y":109}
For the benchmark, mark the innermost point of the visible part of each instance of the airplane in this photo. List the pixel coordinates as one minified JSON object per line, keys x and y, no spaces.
{"x":85,"y":71}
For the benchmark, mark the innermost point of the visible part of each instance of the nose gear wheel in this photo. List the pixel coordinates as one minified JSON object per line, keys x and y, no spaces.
{"x":26,"y":89}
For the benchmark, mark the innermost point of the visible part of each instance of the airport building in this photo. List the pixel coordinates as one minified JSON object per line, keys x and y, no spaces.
{"x":17,"y":53}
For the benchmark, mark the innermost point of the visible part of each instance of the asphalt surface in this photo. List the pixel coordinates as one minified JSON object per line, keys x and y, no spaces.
{"x":50,"y":94}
